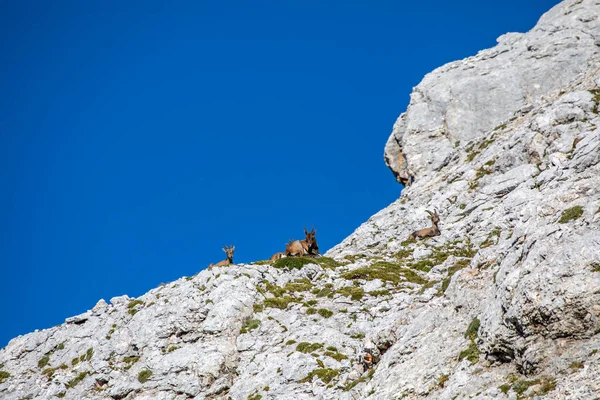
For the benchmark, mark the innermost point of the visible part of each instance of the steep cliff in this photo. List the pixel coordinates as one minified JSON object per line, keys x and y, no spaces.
{"x":504,"y":304}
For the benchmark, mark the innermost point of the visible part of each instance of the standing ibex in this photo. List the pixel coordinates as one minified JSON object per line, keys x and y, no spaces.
{"x":229,"y":261}
{"x":305,"y":247}
{"x":433,"y":230}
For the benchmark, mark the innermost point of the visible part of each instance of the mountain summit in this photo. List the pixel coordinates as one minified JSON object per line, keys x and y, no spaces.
{"x":500,"y":301}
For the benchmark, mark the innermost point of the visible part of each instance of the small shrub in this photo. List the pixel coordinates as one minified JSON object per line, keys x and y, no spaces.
{"x":254,"y":396}
{"x":144,"y":375}
{"x":570,"y":214}
{"x":290,"y":342}
{"x":358,"y":336}
{"x":311,"y":311}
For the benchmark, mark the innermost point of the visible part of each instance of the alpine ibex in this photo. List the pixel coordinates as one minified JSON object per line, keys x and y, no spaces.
{"x":229,"y":261}
{"x":433,"y":230}
{"x":277,"y":256}
{"x":305,"y":247}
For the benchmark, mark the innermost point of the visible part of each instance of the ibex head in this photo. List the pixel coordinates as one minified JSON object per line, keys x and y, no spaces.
{"x":311,"y":240}
{"x":229,"y":251}
{"x":433,"y":216}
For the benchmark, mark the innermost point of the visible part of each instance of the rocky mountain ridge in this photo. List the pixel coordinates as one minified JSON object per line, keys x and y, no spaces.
{"x":504,"y":304}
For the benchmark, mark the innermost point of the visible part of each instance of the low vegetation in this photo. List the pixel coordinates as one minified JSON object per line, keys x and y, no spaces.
{"x":570,"y":214}
{"x":306,"y":347}
{"x":520,"y":386}
{"x":324,"y":374}
{"x":299,"y":262}
{"x":250,"y":325}
{"x":355,"y":293}
{"x":132,"y":306}
{"x":3,"y":376}
{"x":75,"y":381}
{"x":144,"y":375}
{"x":325,"y":313}
{"x":471,"y":353}
{"x":385,"y":271}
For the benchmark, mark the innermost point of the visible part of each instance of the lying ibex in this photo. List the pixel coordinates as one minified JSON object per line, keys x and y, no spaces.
{"x":433,"y":230}
{"x":305,"y":247}
{"x":229,"y":261}
{"x":277,"y":256}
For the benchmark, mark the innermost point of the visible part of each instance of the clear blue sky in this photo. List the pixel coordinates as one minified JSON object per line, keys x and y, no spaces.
{"x":136,"y":138}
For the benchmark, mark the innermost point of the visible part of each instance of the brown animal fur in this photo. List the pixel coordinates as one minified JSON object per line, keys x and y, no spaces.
{"x":306,"y":247}
{"x":229,"y":261}
{"x":277,"y":256}
{"x":433,"y":230}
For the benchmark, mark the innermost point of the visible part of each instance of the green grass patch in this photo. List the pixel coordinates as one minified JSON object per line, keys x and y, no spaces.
{"x":250,"y":325}
{"x":299,"y":285}
{"x":327,"y":263}
{"x":4,"y":376}
{"x":49,"y":372}
{"x":254,"y":396}
{"x":336,"y":355}
{"x":353,"y":257}
{"x":471,"y":332}
{"x":290,"y":342}
{"x":324,"y":374}
{"x":258,"y":307}
{"x":471,"y":353}
{"x":385,"y":271}
{"x":42,"y":362}
{"x":306,"y":347}
{"x":325,"y":313}
{"x":279,"y":302}
{"x":570,"y":214}
{"x":144,"y":375}
{"x":75,"y":381}
{"x":293,"y":262}
{"x":311,"y":311}
{"x":131,"y":306}
{"x":355,"y":293}
{"x":358,"y":336}
{"x":377,"y":293}
{"x":355,"y":382}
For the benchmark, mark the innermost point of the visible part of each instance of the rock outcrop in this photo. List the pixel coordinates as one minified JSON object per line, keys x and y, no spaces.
{"x":503,"y":304}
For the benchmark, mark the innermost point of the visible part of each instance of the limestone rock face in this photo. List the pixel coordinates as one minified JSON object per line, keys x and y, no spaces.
{"x":463,"y":100}
{"x":503,"y":304}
